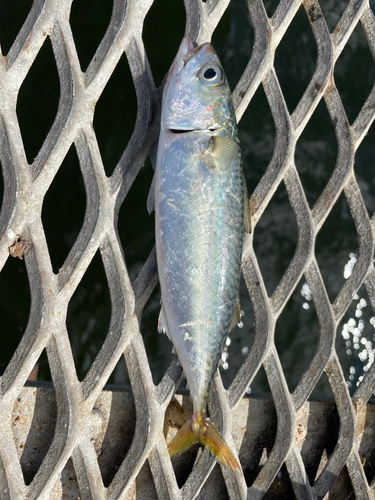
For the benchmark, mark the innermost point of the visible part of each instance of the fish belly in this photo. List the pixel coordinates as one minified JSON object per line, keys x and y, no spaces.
{"x":199,"y":224}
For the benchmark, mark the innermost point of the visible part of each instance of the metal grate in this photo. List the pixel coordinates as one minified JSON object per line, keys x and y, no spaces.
{"x":26,"y":186}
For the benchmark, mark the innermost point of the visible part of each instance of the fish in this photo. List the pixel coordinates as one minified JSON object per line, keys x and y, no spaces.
{"x":201,"y":211}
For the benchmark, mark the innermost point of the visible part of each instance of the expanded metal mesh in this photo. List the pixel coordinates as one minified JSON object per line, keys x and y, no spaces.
{"x":22,"y":230}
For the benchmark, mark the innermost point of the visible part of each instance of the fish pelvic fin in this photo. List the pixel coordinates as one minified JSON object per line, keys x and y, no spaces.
{"x":201,"y":429}
{"x":162,"y":323}
{"x":151,"y":197}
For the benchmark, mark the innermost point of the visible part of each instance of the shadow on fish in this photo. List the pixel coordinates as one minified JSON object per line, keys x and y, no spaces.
{"x":201,"y":211}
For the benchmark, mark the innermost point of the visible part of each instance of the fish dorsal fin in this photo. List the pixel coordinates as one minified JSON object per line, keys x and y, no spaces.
{"x":246,"y":212}
{"x":223,"y":151}
{"x":236,"y":315}
{"x":151,"y":196}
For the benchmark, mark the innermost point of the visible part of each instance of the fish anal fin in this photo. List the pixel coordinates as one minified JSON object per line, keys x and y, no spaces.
{"x":201,"y":429}
{"x":222,"y":151}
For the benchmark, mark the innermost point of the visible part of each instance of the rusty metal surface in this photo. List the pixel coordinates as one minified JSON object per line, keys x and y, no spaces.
{"x":69,"y":452}
{"x":112,"y":430}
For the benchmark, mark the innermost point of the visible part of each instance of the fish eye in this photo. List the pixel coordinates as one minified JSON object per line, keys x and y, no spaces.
{"x":211,"y":75}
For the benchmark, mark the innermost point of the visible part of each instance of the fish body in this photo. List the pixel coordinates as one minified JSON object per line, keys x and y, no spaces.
{"x":199,"y":218}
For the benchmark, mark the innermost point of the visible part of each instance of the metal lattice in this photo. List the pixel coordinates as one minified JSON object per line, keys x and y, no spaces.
{"x":26,"y":186}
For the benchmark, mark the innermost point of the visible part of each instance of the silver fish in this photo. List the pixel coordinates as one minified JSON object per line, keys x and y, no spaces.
{"x":201,"y":209}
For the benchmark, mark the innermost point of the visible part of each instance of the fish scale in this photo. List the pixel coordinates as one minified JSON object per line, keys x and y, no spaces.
{"x":199,"y":221}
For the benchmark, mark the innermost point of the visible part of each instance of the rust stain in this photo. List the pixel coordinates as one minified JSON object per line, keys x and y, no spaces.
{"x":19,"y":247}
{"x":301,"y":432}
{"x":176,"y":416}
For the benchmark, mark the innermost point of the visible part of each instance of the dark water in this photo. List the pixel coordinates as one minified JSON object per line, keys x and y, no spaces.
{"x":275,"y":234}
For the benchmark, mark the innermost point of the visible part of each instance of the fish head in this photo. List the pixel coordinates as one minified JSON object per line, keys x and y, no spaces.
{"x":196,"y":94}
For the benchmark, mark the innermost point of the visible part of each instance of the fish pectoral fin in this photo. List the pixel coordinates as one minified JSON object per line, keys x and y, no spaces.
{"x":222,"y":151}
{"x":246,"y":211}
{"x":151,"y":197}
{"x":203,"y":430}
{"x":162,"y":323}
{"x":236,"y":315}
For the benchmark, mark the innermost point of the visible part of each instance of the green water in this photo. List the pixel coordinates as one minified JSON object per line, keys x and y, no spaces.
{"x":275,"y":234}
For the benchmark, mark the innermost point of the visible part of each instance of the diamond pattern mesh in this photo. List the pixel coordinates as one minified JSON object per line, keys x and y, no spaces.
{"x":22,"y":230}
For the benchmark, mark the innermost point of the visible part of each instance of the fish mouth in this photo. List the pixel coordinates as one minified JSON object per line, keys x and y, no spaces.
{"x":180,"y":131}
{"x":185,"y":131}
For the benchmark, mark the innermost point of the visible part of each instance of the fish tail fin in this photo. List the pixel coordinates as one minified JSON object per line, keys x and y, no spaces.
{"x":185,"y":437}
{"x":201,"y":429}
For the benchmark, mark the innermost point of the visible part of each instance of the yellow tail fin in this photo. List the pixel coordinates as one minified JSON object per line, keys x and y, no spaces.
{"x":201,"y":429}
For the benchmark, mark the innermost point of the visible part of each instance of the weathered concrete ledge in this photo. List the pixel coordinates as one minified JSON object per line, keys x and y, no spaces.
{"x":34,"y":419}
